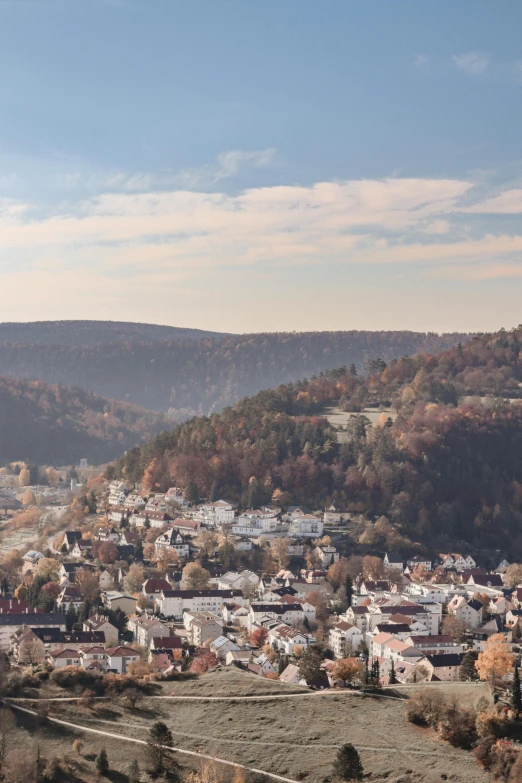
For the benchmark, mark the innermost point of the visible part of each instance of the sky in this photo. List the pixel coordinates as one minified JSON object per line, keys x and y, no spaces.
{"x":243,"y":166}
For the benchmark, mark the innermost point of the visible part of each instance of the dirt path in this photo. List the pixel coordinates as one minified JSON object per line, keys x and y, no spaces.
{"x":209,"y":738}
{"x":269,"y":697}
{"x":143,"y":742}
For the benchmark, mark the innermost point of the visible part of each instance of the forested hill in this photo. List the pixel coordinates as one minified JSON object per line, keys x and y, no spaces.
{"x":82,"y":333}
{"x":443,"y":472}
{"x":60,"y":425}
{"x":187,"y":377}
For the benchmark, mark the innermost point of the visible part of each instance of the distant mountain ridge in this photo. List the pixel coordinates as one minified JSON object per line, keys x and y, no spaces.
{"x":80,"y":333}
{"x":59,"y":425}
{"x":187,"y":376}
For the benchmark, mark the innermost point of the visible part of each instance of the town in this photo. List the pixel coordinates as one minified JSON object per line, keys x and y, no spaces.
{"x":156,"y":581}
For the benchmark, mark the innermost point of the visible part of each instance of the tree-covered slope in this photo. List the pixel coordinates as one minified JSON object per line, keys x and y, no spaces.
{"x":82,"y":333}
{"x":189,"y":376}
{"x":442,"y":472}
{"x":60,"y":425}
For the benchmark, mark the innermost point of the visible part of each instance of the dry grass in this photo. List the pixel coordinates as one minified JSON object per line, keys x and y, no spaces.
{"x":297,"y":738}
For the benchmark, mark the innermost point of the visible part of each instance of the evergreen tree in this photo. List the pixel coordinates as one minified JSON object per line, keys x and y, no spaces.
{"x":467,"y":670}
{"x":348,"y":765}
{"x":160,"y":738}
{"x":192,"y":492}
{"x":214,"y":492}
{"x":393,"y":677}
{"x":375,"y":673}
{"x":516,"y":698}
{"x":102,"y":762}
{"x":348,"y":588}
{"x":134,"y":772}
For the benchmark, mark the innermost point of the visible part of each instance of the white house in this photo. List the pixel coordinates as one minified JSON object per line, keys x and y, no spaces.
{"x":285,"y":638}
{"x":119,"y":658}
{"x":255,"y":523}
{"x":105,"y":580}
{"x":291,"y":614}
{"x":59,"y":659}
{"x":326,"y":555}
{"x":333,"y":516}
{"x":173,"y":603}
{"x":219,"y":513}
{"x":234,"y":614}
{"x":173,"y":540}
{"x":468,"y":611}
{"x":266,"y":666}
{"x":306,"y":526}
{"x":393,"y":561}
{"x":344,"y":638}
{"x":144,"y":628}
{"x":416,"y":561}
{"x":457,"y":561}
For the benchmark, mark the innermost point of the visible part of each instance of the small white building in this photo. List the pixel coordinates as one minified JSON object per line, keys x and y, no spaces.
{"x":306,"y":526}
{"x":119,"y":658}
{"x":344,"y":638}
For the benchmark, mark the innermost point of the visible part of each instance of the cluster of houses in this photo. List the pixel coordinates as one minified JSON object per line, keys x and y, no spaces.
{"x":171,"y":510}
{"x":401,"y":622}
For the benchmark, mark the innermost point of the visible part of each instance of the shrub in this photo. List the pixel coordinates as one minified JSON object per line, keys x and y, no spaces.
{"x":73,"y":676}
{"x":502,"y":758}
{"x":458,"y":727}
{"x":493,"y":722}
{"x":77,"y":746}
{"x":426,"y":708}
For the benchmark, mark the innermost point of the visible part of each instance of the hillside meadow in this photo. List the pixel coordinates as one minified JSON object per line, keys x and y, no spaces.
{"x":296,"y":736}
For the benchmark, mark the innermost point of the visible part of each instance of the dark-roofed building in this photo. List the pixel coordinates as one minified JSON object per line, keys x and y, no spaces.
{"x":152,"y":588}
{"x":70,"y":537}
{"x":166,"y":643}
{"x":443,"y":667}
{"x":11,"y":623}
{"x":488,"y":580}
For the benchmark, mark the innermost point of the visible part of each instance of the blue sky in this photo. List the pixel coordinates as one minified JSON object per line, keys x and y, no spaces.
{"x":272,"y":165}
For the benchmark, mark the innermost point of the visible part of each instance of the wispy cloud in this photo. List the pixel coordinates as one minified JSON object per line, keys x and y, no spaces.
{"x":227,"y":166}
{"x":421,"y":60}
{"x":472,"y":63}
{"x":125,"y":246}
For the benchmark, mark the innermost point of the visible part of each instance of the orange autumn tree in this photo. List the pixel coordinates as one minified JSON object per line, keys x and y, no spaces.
{"x":346,"y":669}
{"x":496,"y":660}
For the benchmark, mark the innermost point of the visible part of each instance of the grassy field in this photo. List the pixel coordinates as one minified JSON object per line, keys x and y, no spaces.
{"x":296,"y":737}
{"x":339,"y":418}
